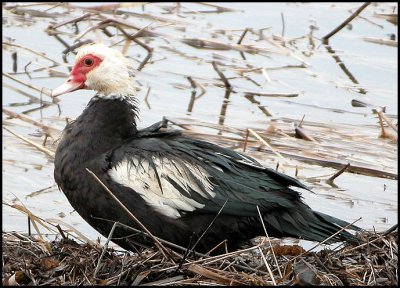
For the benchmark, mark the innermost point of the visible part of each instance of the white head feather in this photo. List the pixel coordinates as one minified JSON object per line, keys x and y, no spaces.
{"x":112,"y":76}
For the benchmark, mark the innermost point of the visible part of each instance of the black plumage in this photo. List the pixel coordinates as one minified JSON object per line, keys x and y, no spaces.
{"x":174,"y":184}
{"x":105,"y":135}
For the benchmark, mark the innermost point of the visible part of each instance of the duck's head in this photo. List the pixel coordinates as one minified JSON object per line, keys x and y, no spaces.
{"x":100,"y":68}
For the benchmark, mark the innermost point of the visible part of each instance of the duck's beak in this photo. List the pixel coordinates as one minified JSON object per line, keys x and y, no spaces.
{"x":69,"y":86}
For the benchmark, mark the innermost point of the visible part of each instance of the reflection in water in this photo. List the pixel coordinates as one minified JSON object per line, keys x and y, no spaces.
{"x":344,"y":68}
{"x":223,"y":108}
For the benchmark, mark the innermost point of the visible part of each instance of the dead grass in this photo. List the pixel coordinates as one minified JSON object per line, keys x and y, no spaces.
{"x":28,"y":260}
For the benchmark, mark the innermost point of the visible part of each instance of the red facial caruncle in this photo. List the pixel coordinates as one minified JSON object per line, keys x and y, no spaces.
{"x":77,"y":78}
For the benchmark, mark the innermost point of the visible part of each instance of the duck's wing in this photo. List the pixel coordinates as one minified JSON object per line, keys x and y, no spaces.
{"x":180,"y":176}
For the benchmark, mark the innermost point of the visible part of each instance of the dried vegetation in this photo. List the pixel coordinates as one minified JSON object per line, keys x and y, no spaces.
{"x":296,"y":143}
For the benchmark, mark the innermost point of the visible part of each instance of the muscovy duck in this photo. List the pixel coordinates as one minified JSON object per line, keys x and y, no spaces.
{"x":174,"y":184}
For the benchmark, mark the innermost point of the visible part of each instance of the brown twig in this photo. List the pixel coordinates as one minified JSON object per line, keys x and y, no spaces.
{"x":271,"y":94}
{"x":243,"y":34}
{"x":221,"y":75}
{"x":325,"y":39}
{"x":269,"y":240}
{"x":338,"y":173}
{"x":269,"y":146}
{"x":41,"y":148}
{"x":26,"y":84}
{"x":51,"y":131}
{"x":245,"y":140}
{"x":388,"y":121}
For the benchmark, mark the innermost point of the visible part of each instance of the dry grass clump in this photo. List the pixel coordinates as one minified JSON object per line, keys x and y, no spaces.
{"x":29,"y":261}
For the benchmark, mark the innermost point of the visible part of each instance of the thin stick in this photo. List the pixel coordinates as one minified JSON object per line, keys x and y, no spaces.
{"x":243,"y":34}
{"x":246,"y":138}
{"x":388,"y":121}
{"x":221,"y":75}
{"x":362,"y":245}
{"x":219,"y":8}
{"x":28,"y":85}
{"x":216,"y":247}
{"x":283,"y":27}
{"x":339,"y":172}
{"x":202,"y":235}
{"x":159,"y":245}
{"x":269,"y":146}
{"x":27,"y":119}
{"x":29,"y":225}
{"x":195,"y":84}
{"x":147,"y":97}
{"x":325,"y":39}
{"x":266,"y":264}
{"x":33,"y":52}
{"x":41,"y":148}
{"x":212,"y":222}
{"x":104,"y":249}
{"x":269,"y":240}
{"x":77,"y":19}
{"x":272,"y":94}
{"x":61,"y":231}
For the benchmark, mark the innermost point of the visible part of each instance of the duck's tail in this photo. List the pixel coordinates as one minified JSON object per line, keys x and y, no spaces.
{"x":328,"y":226}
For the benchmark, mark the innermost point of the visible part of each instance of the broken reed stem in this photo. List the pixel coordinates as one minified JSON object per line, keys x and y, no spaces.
{"x":163,"y":250}
{"x":61,"y":231}
{"x":339,"y":172}
{"x":73,"y":20}
{"x":301,"y":122}
{"x":41,"y":148}
{"x":212,"y":222}
{"x":267,"y":265}
{"x":388,"y":121}
{"x":33,"y":52}
{"x":146,"y":98}
{"x":243,"y":34}
{"x":26,"y":84}
{"x":269,"y":146}
{"x":325,"y":39}
{"x":269,"y":241}
{"x":245,"y":140}
{"x":221,"y":75}
{"x":40,"y":220}
{"x":202,"y":235}
{"x":216,"y":247}
{"x":27,"y":119}
{"x":362,"y":245}
{"x":104,"y":249}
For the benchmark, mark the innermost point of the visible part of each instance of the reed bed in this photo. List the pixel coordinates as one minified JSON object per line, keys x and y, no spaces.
{"x":29,"y":260}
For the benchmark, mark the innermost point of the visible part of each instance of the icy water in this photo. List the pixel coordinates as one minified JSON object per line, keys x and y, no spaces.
{"x":302,"y":66}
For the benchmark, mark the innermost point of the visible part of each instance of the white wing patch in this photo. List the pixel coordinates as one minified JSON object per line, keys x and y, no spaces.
{"x":167,"y":200}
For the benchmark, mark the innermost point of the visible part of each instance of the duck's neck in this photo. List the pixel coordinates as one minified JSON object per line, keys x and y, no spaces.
{"x":104,"y":124}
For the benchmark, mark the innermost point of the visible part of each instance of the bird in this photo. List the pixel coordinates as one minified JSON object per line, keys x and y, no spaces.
{"x":181,"y":189}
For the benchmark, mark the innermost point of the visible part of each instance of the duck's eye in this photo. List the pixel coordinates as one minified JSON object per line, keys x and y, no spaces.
{"x":88,"y":62}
